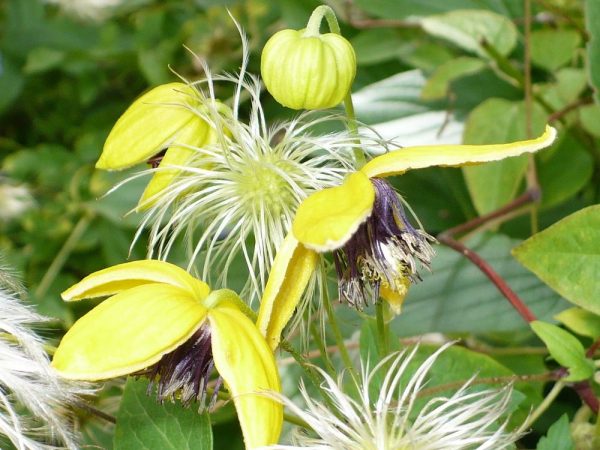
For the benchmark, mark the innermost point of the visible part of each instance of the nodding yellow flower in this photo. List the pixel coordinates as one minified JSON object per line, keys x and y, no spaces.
{"x":161,"y":127}
{"x":163,"y":323}
{"x":377,"y":252}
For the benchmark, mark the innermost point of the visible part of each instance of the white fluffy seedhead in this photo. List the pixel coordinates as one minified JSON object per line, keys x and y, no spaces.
{"x":33,"y":399}
{"x":237,"y":196}
{"x":464,"y":421}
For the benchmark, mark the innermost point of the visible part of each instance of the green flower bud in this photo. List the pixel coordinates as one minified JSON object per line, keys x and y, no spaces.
{"x":304,"y":70}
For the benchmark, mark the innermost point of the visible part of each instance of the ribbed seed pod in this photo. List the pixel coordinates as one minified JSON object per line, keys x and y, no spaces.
{"x":307,"y":71}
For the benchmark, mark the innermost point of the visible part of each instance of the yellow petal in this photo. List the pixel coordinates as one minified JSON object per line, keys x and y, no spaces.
{"x":401,"y":160}
{"x":196,"y":133}
{"x":327,"y":219}
{"x":248,"y":367}
{"x":290,"y":273}
{"x":135,"y":273}
{"x":148,"y":125}
{"x":395,"y":299}
{"x":128,"y":332}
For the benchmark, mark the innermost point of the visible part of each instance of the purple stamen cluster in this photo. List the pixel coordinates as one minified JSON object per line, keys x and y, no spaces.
{"x":386,"y":250}
{"x":185,"y":372}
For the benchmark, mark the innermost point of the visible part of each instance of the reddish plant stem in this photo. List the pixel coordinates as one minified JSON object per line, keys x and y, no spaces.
{"x":592,"y":350}
{"x":502,"y":286}
{"x":570,"y":107}
{"x":528,"y":196}
{"x":586,"y":393}
{"x":583,"y":388}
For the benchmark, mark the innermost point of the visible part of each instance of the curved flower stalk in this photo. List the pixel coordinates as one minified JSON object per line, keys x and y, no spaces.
{"x":230,"y":187}
{"x":466,"y":420}
{"x":377,"y":251}
{"x":34,"y":401}
{"x":163,"y":323}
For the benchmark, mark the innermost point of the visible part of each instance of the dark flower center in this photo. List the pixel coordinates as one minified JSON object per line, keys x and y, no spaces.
{"x":386,"y":251}
{"x":156,"y":159}
{"x":185,"y":372}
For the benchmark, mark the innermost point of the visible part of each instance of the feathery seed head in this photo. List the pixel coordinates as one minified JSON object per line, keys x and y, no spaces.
{"x":33,"y":398}
{"x":463,"y":421}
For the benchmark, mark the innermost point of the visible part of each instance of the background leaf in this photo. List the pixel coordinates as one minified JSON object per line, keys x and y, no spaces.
{"x":566,"y":256}
{"x":580,"y":321}
{"x":457,"y":297}
{"x":468,"y":28}
{"x":400,"y":9}
{"x":145,"y":424}
{"x":565,"y":349}
{"x":551,"y":49}
{"x":592,"y":22}
{"x":494,"y":184}
{"x":558,"y":437}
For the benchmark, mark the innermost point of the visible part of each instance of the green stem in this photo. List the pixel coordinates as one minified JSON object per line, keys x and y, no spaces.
{"x":308,"y":369}
{"x":61,"y":257}
{"x":506,"y":67}
{"x":542,"y":407}
{"x":337,"y":334}
{"x":382,"y":330}
{"x":322,"y":349}
{"x":292,"y":418}
{"x":359,"y":156}
{"x":305,"y":365}
{"x":314,"y":23}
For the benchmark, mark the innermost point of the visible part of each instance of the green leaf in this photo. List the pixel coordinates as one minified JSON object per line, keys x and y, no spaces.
{"x":438,"y":84}
{"x":566,"y":256}
{"x":375,"y":46}
{"x":592,"y":22}
{"x":468,"y":28}
{"x":42,"y":59}
{"x":145,"y":424}
{"x":401,"y":9}
{"x":11,"y":82}
{"x":580,"y":321}
{"x":590,"y":119}
{"x":457,"y":298}
{"x":551,"y":49}
{"x":565,"y":349}
{"x":558,"y":437}
{"x":393,"y":106}
{"x":492,"y":185}
{"x":564,"y":170}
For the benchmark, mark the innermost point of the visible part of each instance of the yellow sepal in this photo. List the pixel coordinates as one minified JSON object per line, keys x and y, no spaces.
{"x":327,"y":219}
{"x":401,"y":160}
{"x":195,"y":134}
{"x":149,"y":125}
{"x":248,"y":368}
{"x":128,"y":332}
{"x":135,"y":273}
{"x":395,"y":299}
{"x":290,"y":273}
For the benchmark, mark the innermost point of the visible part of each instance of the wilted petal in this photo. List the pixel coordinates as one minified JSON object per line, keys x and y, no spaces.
{"x":128,"y":275}
{"x":290,"y":273}
{"x":248,"y":367}
{"x":401,"y":160}
{"x":148,"y":126}
{"x":128,"y":332}
{"x":327,"y":219}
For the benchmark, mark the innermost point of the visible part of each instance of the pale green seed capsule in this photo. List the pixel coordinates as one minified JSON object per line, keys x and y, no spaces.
{"x":308,"y":71}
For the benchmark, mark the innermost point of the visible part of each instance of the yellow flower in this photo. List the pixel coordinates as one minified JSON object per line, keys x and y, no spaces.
{"x":377,"y":251}
{"x":160,"y":128}
{"x":162,"y":322}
